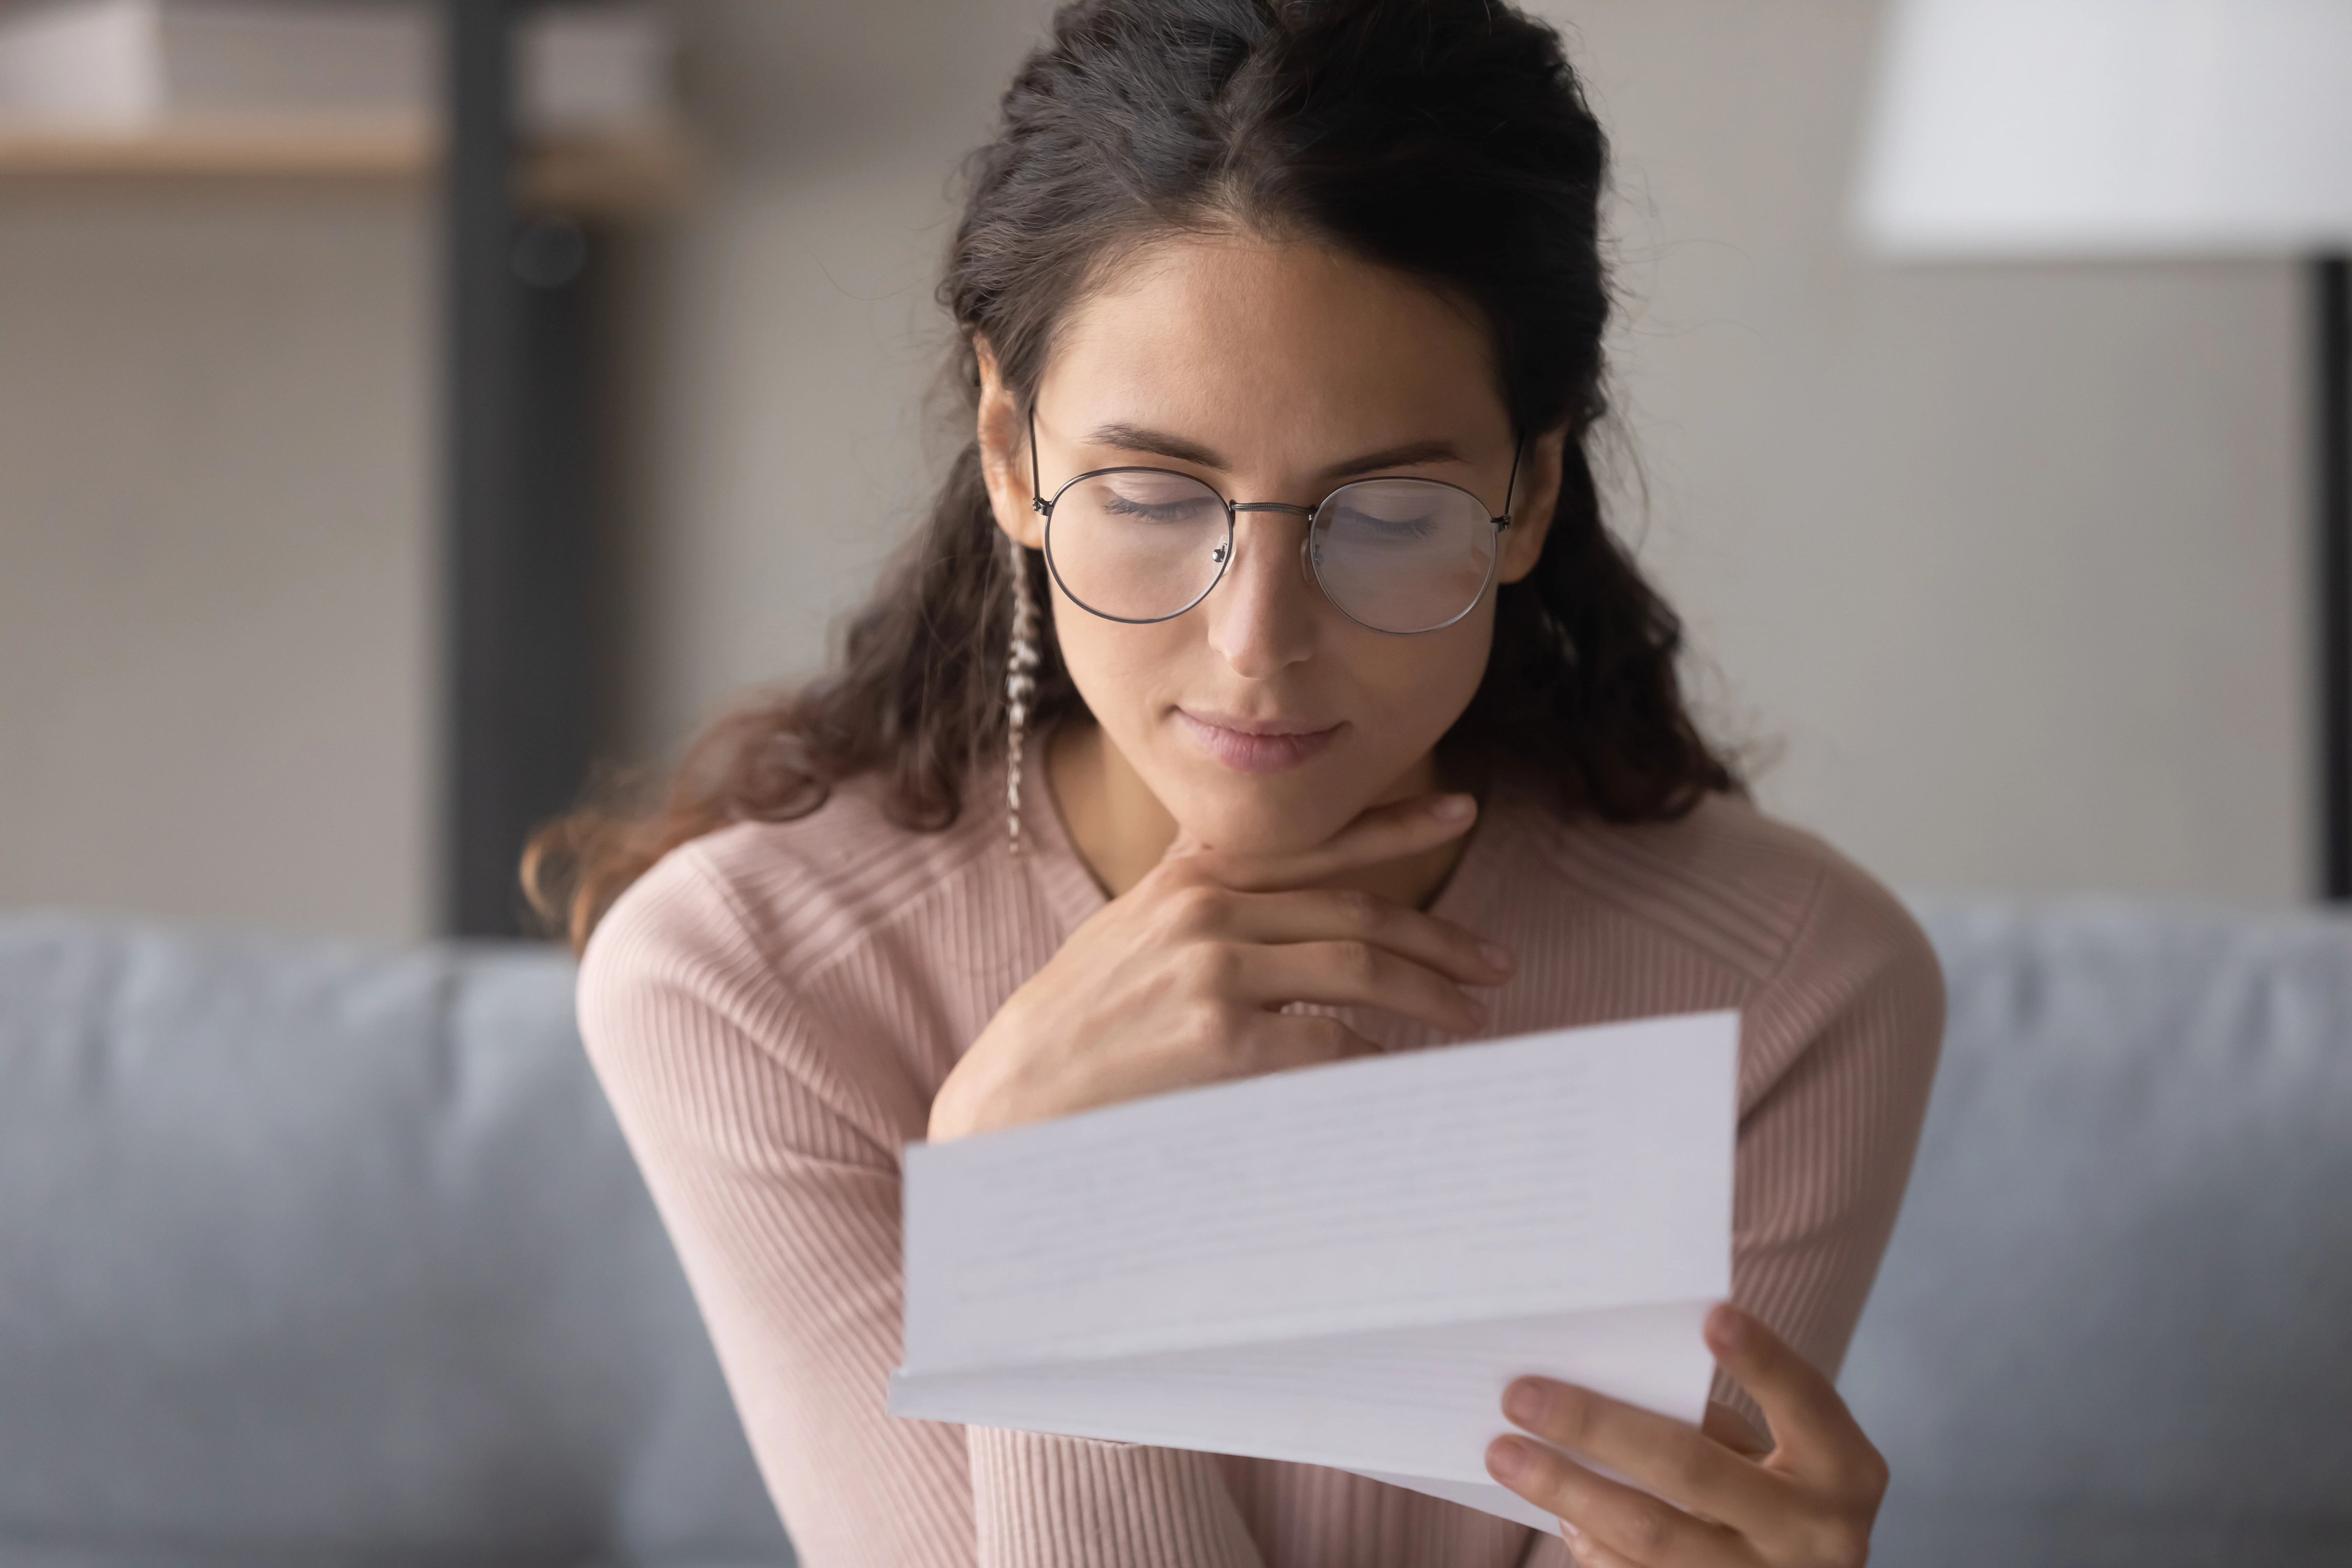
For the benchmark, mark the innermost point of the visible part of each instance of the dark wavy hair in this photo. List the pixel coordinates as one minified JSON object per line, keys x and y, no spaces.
{"x":1446,"y":139}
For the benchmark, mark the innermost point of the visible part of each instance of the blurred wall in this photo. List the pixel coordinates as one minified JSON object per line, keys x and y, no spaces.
{"x":2008,"y":561}
{"x":1997,"y":572}
{"x":787,"y":341}
{"x":215,"y":563}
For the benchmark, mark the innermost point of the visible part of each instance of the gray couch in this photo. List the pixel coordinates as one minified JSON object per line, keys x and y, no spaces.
{"x":315,"y":1254}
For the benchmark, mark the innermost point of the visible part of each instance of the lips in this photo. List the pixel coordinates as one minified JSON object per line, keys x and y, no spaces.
{"x":1255,"y":745}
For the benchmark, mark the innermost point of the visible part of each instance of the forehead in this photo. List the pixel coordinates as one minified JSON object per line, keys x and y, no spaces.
{"x":1238,"y":339}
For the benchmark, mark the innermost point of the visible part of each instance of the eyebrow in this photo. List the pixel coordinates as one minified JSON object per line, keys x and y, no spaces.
{"x":1137,"y":438}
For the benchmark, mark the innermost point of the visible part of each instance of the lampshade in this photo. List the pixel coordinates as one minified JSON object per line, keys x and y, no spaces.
{"x":2110,"y":128}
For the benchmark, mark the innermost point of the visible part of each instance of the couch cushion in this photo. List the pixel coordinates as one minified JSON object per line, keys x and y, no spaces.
{"x":311,"y":1250}
{"x":2112,"y":1326}
{"x":320,"y":1256}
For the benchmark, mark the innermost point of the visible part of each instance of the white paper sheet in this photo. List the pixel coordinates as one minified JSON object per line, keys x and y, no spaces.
{"x":1340,"y":1266}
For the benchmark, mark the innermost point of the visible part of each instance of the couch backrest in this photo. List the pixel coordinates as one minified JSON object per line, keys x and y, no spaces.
{"x":326,"y":1251}
{"x":323,"y":1251}
{"x":2114,"y":1325}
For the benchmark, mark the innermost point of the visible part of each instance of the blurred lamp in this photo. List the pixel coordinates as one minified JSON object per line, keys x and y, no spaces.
{"x":2120,"y":128}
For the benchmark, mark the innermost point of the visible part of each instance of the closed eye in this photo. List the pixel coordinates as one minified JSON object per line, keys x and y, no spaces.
{"x":1372,"y":526}
{"x":1184,"y":510}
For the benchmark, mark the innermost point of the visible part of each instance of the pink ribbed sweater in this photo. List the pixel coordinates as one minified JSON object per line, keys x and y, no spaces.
{"x":772,"y":1007}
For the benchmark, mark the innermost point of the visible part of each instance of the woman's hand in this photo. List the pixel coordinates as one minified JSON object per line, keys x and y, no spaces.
{"x":1182,"y":980}
{"x":1807,"y":1502}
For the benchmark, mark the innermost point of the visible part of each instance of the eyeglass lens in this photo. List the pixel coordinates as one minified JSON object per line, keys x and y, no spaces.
{"x":1144,"y":544}
{"x":1137,"y":544}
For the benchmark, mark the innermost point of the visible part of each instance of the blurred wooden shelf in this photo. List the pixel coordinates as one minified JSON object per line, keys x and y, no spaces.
{"x":622,"y":176}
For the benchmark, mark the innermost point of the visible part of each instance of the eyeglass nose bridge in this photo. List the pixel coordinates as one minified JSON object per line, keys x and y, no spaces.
{"x":1223,"y":553}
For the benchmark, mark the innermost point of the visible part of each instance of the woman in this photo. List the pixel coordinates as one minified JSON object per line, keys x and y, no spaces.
{"x":1263,"y":690}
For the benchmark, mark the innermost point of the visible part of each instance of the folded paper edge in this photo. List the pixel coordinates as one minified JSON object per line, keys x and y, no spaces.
{"x":1488,"y":1497}
{"x":1441,"y":1320}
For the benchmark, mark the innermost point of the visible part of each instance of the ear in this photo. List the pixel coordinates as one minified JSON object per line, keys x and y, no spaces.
{"x":1004,"y":453}
{"x":1533,"y":502}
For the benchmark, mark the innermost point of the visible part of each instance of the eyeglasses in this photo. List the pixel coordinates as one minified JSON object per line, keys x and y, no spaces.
{"x":1139,"y":545}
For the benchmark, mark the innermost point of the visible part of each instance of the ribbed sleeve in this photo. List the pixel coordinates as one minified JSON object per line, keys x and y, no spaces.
{"x":772,"y":1009}
{"x":1835,"y":1076}
{"x":1072,"y":1502}
{"x":785,"y":1214}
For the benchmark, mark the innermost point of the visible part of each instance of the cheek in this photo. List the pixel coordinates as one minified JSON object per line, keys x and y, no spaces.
{"x":1424,"y":683}
{"x":1118,"y":670}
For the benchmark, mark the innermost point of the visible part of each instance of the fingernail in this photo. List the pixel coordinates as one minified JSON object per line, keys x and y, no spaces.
{"x":1496,"y":955}
{"x":1476,"y":1011}
{"x":1575,"y":1538}
{"x":1452,"y":808}
{"x":1524,"y":1403}
{"x":1728,"y":1326}
{"x":1508,"y":1457}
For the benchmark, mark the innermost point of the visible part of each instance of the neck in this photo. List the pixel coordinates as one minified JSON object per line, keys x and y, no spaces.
{"x":1121,"y":830}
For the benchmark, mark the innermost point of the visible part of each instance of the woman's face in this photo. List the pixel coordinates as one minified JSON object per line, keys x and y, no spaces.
{"x":1264,"y":719}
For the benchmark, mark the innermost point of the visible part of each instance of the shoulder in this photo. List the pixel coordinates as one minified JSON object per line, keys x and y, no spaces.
{"x":789,"y":899}
{"x":1737,"y":889}
{"x":808,"y":944}
{"x":839,"y":948}
{"x":1756,"y":913}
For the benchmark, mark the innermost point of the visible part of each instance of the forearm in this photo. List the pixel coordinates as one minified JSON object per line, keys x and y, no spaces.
{"x":1041,"y":1502}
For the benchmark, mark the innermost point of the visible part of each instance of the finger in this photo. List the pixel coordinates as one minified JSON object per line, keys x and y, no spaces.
{"x":1671,"y":1457}
{"x":1349,"y":915}
{"x":1381,"y":834}
{"x":1813,"y":1432}
{"x":1587,"y":1553}
{"x":1730,"y":1426}
{"x":1609,"y":1516}
{"x":1277,"y":1042}
{"x":1354,"y":974}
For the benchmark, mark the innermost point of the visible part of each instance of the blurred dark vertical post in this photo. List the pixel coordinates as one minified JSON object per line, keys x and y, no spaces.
{"x":2333,"y":442}
{"x":520,"y":662}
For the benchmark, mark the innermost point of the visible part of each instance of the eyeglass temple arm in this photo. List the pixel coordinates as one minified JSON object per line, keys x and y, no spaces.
{"x":1519,"y":447}
{"x":1036,"y":486}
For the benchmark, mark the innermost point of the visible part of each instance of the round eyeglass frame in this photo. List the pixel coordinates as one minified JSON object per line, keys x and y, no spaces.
{"x":1044,"y":508}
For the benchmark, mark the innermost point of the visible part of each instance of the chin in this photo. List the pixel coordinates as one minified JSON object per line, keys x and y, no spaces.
{"x":1262,"y":817}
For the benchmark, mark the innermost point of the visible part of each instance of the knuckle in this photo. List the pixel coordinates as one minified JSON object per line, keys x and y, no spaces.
{"x":1202,"y":1022}
{"x":1215,"y":967}
{"x":1238,"y":1053}
{"x":1650,"y":1533}
{"x":1233,"y":1052}
{"x":1197,"y":908}
{"x":1359,"y":960}
{"x":1356,"y":909}
{"x":1687,"y":1468}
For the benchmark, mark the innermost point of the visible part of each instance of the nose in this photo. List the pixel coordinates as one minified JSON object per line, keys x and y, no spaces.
{"x":1262,"y":616}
